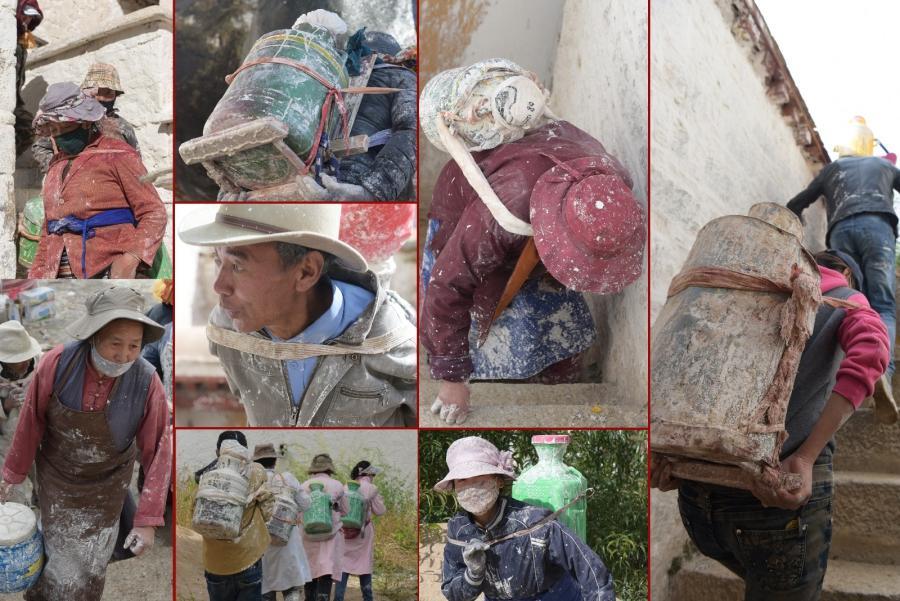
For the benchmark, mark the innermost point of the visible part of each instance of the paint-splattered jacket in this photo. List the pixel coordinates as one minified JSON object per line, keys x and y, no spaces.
{"x":105,"y":175}
{"x":474,"y":255}
{"x":551,"y":563}
{"x":345,"y":390}
{"x":386,"y":171}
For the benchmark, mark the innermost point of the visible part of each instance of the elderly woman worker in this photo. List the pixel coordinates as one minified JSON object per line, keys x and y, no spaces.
{"x":93,"y":408}
{"x":100,"y":219}
{"x":548,"y":564}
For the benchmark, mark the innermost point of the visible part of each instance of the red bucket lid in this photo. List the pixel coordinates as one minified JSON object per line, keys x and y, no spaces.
{"x":550,"y":439}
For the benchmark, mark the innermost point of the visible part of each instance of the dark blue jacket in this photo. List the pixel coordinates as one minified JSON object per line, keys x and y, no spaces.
{"x":550,"y":564}
{"x":387,"y":171}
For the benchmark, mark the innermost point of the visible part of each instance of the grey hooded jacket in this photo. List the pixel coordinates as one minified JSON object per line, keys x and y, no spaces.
{"x":345,"y":390}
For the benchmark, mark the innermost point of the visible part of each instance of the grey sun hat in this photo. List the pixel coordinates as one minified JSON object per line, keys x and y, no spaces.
{"x":109,"y":304}
{"x":314,"y":226}
{"x":321,"y":463}
{"x":65,"y":102}
{"x":16,"y":345}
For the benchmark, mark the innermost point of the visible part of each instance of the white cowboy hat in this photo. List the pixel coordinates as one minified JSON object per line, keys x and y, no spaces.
{"x":15,"y":343}
{"x":314,"y":226}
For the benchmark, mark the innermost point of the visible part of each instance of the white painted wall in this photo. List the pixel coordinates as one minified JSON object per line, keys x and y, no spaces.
{"x":719,"y":145}
{"x":600,"y":85}
{"x":7,"y":137}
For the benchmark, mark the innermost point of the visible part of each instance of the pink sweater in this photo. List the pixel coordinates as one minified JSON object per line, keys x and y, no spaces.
{"x":864,"y":339}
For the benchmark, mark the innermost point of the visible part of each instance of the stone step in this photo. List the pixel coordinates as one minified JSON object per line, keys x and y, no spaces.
{"x":866,"y":517}
{"x":703,"y":579}
{"x":865,"y":445}
{"x":535,"y":405}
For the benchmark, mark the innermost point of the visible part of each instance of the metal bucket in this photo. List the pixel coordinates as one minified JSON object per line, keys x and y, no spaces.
{"x":715,"y":351}
{"x":283,"y":93}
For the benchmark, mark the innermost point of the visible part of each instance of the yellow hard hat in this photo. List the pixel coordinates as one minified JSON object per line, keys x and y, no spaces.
{"x":858,"y":139}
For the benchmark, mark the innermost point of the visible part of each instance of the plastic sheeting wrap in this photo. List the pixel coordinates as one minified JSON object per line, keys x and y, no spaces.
{"x":724,"y":359}
{"x":283,"y":92}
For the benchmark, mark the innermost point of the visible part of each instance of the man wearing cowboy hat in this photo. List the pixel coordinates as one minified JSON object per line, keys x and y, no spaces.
{"x":93,"y":407}
{"x":284,"y":566}
{"x":100,"y":82}
{"x":517,"y":233}
{"x":550,"y":563}
{"x":100,"y":219}
{"x":325,"y":552}
{"x":19,"y":354}
{"x":304,"y":331}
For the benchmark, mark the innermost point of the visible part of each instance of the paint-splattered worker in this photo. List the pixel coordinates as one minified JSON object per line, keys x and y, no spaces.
{"x":550,"y":563}
{"x":100,"y":218}
{"x":517,"y":233}
{"x":93,"y":408}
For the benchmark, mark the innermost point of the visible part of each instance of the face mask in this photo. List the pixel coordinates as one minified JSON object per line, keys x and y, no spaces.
{"x":477,"y":500}
{"x":108,"y":368}
{"x":73,"y":142}
{"x":108,"y":105}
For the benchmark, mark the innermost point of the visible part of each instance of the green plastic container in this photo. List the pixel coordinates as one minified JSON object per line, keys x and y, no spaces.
{"x":357,"y":513}
{"x":317,"y":519}
{"x":283,"y":92}
{"x":552,"y":484}
{"x":32,"y":222}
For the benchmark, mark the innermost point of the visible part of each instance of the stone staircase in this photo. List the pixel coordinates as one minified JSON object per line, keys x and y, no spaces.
{"x":865,"y":550}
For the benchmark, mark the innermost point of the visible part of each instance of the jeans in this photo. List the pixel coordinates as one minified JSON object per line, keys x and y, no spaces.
{"x":243,"y":586}
{"x":780,"y":554}
{"x":869,"y":239}
{"x":365,"y":583}
{"x":292,"y":594}
{"x":319,"y":589}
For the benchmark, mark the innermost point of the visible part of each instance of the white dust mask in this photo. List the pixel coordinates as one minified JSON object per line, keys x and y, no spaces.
{"x":108,"y":368}
{"x":477,"y":500}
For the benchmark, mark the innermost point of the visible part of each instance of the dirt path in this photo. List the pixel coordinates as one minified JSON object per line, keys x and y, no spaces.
{"x":191,"y":583}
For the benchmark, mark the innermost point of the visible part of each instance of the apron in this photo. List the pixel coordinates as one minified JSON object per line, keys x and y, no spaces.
{"x":83,"y":480}
{"x":544,"y":324}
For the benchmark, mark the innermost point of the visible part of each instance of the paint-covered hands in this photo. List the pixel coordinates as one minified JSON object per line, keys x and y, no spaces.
{"x":341,"y":191}
{"x":661,"y":474}
{"x":452,"y":402}
{"x":124,"y":267}
{"x":475,"y":558}
{"x":140,"y":539}
{"x":782,"y":497}
{"x":5,"y":489}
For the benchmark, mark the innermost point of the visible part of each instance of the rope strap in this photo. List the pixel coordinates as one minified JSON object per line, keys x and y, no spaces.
{"x":334,"y":95}
{"x":293,"y":351}
{"x":543,"y":522}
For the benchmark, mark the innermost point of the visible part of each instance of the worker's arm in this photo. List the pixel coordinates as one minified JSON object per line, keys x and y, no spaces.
{"x":148,"y":209}
{"x":896,"y":181}
{"x":457,"y":583}
{"x":155,"y":446}
{"x":808,"y":196}
{"x":568,"y":551}
{"x":864,"y":339}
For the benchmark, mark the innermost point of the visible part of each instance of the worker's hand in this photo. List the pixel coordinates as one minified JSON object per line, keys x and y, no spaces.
{"x":124,"y":267}
{"x":475,"y":556}
{"x":452,"y":402}
{"x":5,"y":490}
{"x":661,"y":474}
{"x":140,"y":539}
{"x":788,"y":499}
{"x":14,"y":399}
{"x":342,"y":191}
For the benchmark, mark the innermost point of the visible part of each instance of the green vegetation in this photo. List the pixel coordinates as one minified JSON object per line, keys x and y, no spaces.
{"x":395,"y":531}
{"x":615,"y":465}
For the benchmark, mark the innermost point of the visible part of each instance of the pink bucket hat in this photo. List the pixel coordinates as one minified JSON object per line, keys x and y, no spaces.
{"x":589,"y":230}
{"x":473,"y":456}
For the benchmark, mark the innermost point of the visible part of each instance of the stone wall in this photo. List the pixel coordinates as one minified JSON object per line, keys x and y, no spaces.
{"x":719,"y":144}
{"x":7,"y":137}
{"x":600,"y":85}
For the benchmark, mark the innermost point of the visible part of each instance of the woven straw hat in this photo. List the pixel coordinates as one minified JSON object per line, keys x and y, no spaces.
{"x":103,"y":75}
